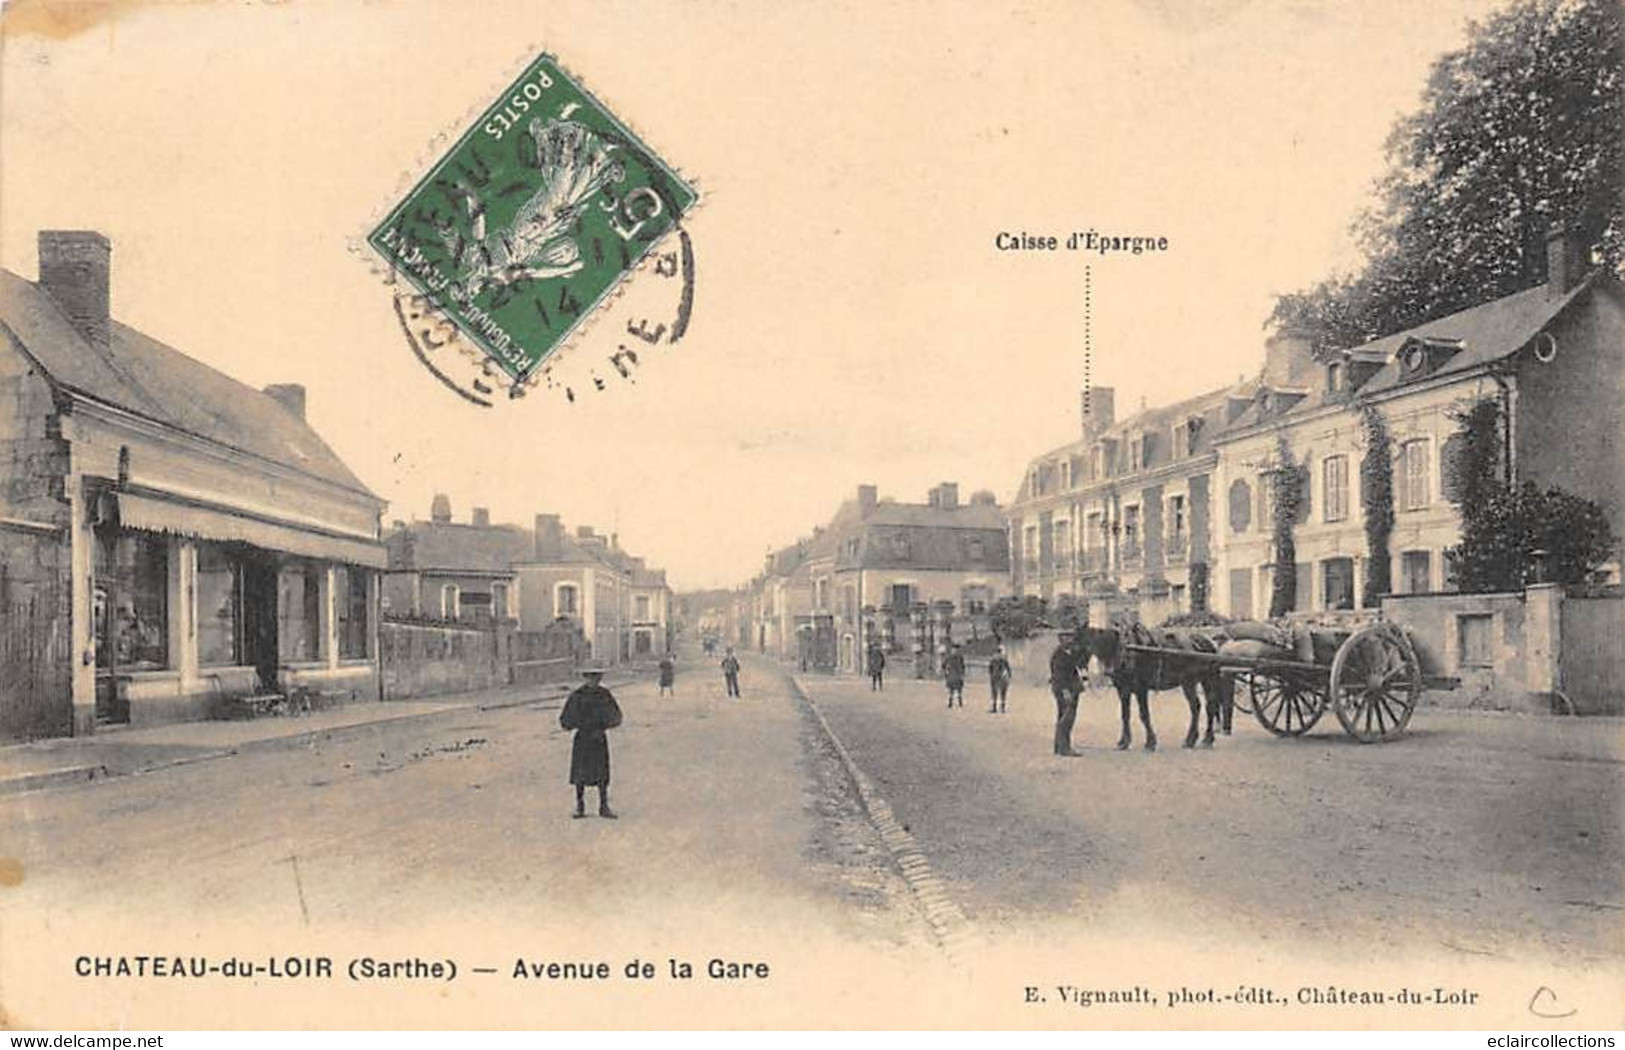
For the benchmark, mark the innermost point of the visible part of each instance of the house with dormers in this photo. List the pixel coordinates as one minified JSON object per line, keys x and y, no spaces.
{"x":1121,"y":516}
{"x":1552,"y":355}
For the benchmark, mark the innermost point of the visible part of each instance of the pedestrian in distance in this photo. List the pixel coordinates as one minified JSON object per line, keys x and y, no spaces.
{"x":1066,"y":682}
{"x":998,"y":681}
{"x":730,"y":672}
{"x":668,"y":675}
{"x":877,"y":669}
{"x":953,"y":674}
{"x":590,"y":712}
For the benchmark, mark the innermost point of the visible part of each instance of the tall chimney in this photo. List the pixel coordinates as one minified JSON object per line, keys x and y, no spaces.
{"x":440,"y":509}
{"x":950,"y":495}
{"x":482,"y":517}
{"x":1565,"y":262}
{"x":73,"y":269}
{"x":584,"y":532}
{"x":1099,"y":404}
{"x":1283,"y":350}
{"x":868,"y":497}
{"x":549,"y":537}
{"x":290,"y":396}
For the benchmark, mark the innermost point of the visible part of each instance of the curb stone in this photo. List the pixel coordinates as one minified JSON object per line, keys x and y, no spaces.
{"x":954,"y":933}
{"x":84,"y":774}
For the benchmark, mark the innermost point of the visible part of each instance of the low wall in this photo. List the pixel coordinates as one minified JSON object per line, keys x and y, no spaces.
{"x":424,"y":659}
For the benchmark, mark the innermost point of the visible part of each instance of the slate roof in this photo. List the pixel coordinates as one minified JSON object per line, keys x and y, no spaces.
{"x":143,"y":376}
{"x":1487,"y":333}
{"x":453,"y":547}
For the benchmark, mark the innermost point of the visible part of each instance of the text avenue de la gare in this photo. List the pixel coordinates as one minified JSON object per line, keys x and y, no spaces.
{"x":1090,"y":240}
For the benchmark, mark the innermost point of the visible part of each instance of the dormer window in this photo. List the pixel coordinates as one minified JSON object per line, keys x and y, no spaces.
{"x":1418,"y":356}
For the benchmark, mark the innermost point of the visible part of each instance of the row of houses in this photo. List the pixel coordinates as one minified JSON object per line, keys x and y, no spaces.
{"x":1168,"y":509}
{"x":477,"y":572}
{"x":171,"y":538}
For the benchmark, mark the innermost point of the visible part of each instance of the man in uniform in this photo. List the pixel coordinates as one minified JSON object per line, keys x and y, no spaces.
{"x":1066,"y":682}
{"x":591,"y":711}
{"x":953,"y":673}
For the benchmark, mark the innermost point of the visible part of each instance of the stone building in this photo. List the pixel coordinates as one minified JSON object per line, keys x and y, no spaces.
{"x":1552,"y":356}
{"x":170,"y":539}
{"x":622,"y":606}
{"x":441,"y":569}
{"x":1121,"y":517}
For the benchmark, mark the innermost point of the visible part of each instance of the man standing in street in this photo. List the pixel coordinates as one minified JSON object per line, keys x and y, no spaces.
{"x":1066,"y":682}
{"x":668,"y":675}
{"x":877,"y":669}
{"x":730,"y":672}
{"x":998,"y":681}
{"x":591,"y":711}
{"x":953,"y":673}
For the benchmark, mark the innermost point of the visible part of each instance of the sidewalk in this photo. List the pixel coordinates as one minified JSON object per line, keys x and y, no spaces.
{"x":119,"y":751}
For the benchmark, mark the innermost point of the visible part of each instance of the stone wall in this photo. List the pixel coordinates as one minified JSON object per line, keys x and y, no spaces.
{"x":423,"y":659}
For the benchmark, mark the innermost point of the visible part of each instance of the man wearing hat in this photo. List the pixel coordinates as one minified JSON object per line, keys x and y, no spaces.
{"x":591,"y":711}
{"x":1066,"y":682}
{"x":730,"y":672}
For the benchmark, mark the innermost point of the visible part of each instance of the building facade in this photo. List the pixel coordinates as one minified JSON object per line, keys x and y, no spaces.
{"x":454,"y":571}
{"x":171,"y":540}
{"x":1552,"y":357}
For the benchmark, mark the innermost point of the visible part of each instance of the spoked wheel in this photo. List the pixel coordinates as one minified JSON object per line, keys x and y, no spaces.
{"x":1376,"y":682}
{"x":1285,"y":706}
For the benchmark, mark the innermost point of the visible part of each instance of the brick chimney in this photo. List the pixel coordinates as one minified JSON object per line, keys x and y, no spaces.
{"x":440,"y":509}
{"x":549,"y":537}
{"x":1565,"y":261}
{"x":1283,"y":351}
{"x":74,"y":271}
{"x":482,"y":517}
{"x":1098,"y":408}
{"x":949,"y":498}
{"x":290,"y":396}
{"x":868,"y":498}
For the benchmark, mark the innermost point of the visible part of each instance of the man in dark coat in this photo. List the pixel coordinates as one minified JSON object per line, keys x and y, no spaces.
{"x":668,"y":675}
{"x":730,"y":672}
{"x":953,"y":673}
{"x":877,"y":669}
{"x":998,"y":681}
{"x":1066,"y":682}
{"x":591,"y":711}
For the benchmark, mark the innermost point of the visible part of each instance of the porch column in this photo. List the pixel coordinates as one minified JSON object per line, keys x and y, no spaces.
{"x":1543,"y":637}
{"x":327,"y":585}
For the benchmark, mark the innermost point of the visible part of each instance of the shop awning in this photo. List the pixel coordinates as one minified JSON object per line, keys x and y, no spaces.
{"x":200,"y":521}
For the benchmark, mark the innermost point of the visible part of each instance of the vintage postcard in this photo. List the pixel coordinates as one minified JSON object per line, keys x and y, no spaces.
{"x":833,"y":515}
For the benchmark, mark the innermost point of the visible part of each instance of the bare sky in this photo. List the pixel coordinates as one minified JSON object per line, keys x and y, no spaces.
{"x":853,"y":321}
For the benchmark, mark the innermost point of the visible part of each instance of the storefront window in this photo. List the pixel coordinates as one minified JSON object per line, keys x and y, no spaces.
{"x":219,"y":607}
{"x":132,"y":601}
{"x":350,"y":589}
{"x":300,"y":608}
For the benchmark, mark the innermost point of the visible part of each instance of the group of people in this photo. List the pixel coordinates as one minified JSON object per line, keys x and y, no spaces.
{"x":953,"y":675}
{"x":1068,"y":678}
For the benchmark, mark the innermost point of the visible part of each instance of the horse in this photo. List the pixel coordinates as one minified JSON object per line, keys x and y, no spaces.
{"x":1139,"y":673}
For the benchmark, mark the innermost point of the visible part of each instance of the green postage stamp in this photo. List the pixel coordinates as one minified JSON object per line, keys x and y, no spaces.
{"x":536,"y":214}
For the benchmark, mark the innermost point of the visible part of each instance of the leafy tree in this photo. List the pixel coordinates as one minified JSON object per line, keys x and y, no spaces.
{"x":1501,"y":538}
{"x":1520,"y":130}
{"x":1013,"y":618}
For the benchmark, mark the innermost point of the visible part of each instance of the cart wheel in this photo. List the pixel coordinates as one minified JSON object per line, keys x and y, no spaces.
{"x":1241,"y":699}
{"x":1285,"y":706}
{"x":1376,"y":682}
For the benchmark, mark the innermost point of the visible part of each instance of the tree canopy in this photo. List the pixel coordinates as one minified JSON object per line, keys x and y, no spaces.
{"x":1519,"y":131}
